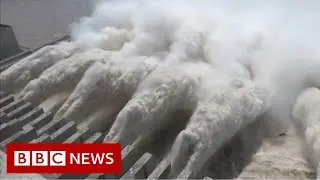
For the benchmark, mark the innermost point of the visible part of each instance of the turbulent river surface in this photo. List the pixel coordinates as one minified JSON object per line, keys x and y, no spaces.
{"x":208,"y":72}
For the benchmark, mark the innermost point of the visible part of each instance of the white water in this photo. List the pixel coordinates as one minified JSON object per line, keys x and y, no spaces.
{"x":227,"y":62}
{"x":307,"y":120}
{"x":32,"y":66}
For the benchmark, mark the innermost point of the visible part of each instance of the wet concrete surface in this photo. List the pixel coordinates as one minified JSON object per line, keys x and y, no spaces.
{"x":38,"y":21}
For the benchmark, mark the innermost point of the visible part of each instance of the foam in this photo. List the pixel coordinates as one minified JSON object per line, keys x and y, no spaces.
{"x":61,"y":76}
{"x":163,"y":92}
{"x":307,"y":121}
{"x":105,"y":84}
{"x":18,"y":75}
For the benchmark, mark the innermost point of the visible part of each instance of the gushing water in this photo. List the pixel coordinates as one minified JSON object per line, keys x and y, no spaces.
{"x":147,"y":59}
{"x":307,"y":120}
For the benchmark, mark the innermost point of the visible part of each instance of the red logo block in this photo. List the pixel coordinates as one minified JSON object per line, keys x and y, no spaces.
{"x":64,"y":158}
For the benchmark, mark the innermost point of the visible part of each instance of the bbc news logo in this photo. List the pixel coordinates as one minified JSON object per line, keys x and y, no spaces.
{"x":64,"y":158}
{"x":40,"y":158}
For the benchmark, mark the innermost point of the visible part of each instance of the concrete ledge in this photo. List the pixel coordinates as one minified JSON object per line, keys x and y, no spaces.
{"x":94,"y":176}
{"x":6,"y":130}
{"x":20,"y":111}
{"x":79,"y":136}
{"x":129,"y":156}
{"x":207,"y":178}
{"x":12,"y":106}
{"x":96,"y":138}
{"x":14,"y":125}
{"x":185,"y":174}
{"x":44,"y":138}
{"x":6,"y":100}
{"x":3,"y":118}
{"x":27,"y":118}
{"x":52,"y":126}
{"x":42,"y":120}
{"x":64,"y":132}
{"x":162,"y":171}
{"x":142,"y":168}
{"x":22,"y":136}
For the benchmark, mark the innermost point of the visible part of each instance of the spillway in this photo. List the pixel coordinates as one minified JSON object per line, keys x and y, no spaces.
{"x":22,"y":121}
{"x":191,"y":91}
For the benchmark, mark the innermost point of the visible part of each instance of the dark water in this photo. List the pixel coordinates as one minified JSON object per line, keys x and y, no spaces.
{"x":38,"y":21}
